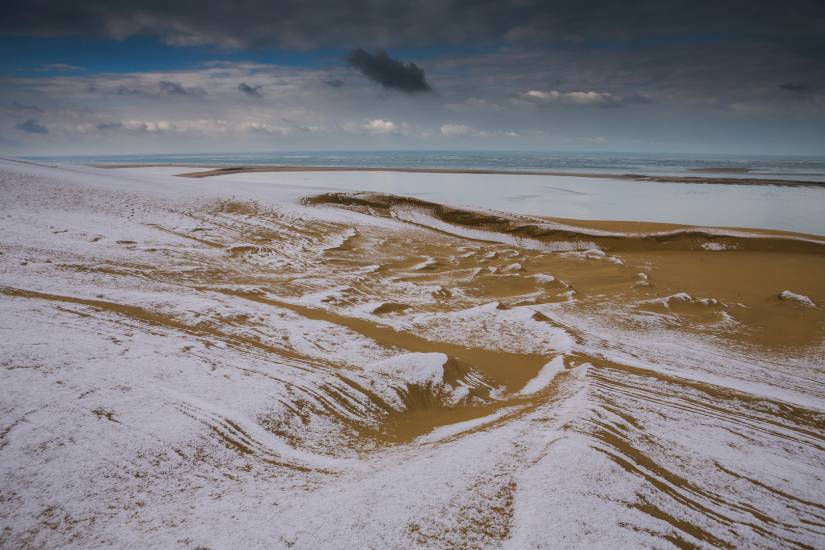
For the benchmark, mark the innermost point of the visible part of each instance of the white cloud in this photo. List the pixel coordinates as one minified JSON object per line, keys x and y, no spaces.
{"x":264,"y":128}
{"x":157,"y":126}
{"x":456,"y":130}
{"x":380,"y":126}
{"x":461,"y":130}
{"x":568,"y":98}
{"x":472,"y":103}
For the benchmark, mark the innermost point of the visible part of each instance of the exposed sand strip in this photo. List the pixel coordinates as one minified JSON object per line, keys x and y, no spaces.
{"x":218,"y":170}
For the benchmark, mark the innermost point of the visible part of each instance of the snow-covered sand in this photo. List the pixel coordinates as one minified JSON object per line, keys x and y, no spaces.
{"x":207,"y":363}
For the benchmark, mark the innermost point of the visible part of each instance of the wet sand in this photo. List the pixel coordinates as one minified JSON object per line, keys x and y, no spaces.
{"x":363,"y":369}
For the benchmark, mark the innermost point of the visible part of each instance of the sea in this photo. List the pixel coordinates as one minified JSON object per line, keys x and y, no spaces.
{"x":773,"y":167}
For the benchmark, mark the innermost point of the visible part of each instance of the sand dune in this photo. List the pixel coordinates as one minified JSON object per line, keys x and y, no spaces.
{"x":187,"y":363}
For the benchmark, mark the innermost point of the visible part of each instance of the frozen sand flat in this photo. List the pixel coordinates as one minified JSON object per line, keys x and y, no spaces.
{"x":792,"y":208}
{"x":191,"y":363}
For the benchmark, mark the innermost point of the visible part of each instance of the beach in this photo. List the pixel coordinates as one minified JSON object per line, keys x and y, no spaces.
{"x":277,"y":357}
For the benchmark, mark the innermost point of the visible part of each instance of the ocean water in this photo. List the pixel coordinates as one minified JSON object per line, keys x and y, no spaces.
{"x":799,"y":168}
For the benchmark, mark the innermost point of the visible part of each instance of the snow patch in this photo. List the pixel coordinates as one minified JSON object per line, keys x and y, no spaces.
{"x":514,"y":267}
{"x":454,"y":429}
{"x":426,"y":263}
{"x":800,"y":299}
{"x":420,"y":218}
{"x":415,"y":369}
{"x":543,"y":278}
{"x":546,"y":375}
{"x":718,"y":246}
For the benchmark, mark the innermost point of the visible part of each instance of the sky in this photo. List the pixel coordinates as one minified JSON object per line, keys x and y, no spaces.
{"x":96,"y":77}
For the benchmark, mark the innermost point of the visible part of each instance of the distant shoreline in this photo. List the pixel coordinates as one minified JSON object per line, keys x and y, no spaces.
{"x":218,"y":170}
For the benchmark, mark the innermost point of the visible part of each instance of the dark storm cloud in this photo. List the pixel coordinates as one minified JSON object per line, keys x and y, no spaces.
{"x":307,"y":24}
{"x":389,"y":72}
{"x":702,"y":43}
{"x":252,"y":91}
{"x":31,"y":126}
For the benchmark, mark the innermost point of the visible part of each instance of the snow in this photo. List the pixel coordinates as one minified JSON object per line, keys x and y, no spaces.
{"x":514,"y":267}
{"x":452,"y":430}
{"x":413,"y":368}
{"x":546,"y":375}
{"x":717,"y":246}
{"x":421,"y":218}
{"x":423,"y":264}
{"x":593,"y":254}
{"x":800,"y":299}
{"x":544,"y":278}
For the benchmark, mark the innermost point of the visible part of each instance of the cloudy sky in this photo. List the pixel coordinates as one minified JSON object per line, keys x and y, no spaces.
{"x":127,"y":76}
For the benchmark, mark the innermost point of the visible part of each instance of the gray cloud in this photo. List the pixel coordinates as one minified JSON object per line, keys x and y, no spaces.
{"x":120,"y":90}
{"x":31,"y":126}
{"x":390,"y":73}
{"x":58,"y":68}
{"x":176,"y":89}
{"x":24,"y":107}
{"x":252,"y":91}
{"x":799,"y":88}
{"x":334,"y":82}
{"x":110,"y":126}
